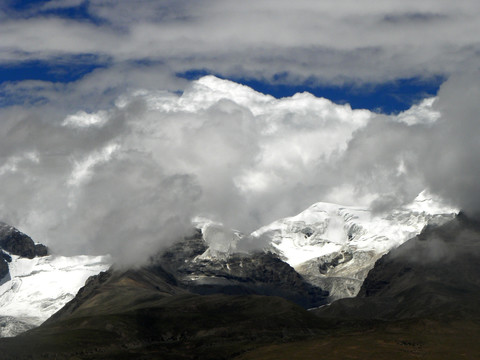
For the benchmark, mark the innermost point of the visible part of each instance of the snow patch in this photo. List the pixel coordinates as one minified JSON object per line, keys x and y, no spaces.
{"x":41,"y":286}
{"x":325,"y":228}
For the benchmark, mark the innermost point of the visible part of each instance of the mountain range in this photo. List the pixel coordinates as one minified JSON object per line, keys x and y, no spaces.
{"x":194,"y":301}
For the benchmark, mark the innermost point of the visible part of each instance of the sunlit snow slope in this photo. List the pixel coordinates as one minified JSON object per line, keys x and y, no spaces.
{"x":37,"y":288}
{"x":335,"y":246}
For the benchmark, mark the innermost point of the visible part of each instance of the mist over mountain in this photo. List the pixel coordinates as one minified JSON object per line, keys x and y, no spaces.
{"x":313,"y":258}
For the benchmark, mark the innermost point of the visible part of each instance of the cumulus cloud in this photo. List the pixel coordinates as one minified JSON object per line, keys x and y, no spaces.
{"x":98,"y":165}
{"x":128,"y":179}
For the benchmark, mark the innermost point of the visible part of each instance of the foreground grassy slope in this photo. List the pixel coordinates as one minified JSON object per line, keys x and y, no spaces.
{"x":143,"y":314}
{"x":419,"y":339}
{"x":177,"y":327}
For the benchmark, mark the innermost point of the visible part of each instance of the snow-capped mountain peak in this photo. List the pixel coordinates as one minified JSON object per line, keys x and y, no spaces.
{"x":325,"y":228}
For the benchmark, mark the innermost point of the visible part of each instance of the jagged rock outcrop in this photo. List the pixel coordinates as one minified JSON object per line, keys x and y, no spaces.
{"x":4,"y":260}
{"x":18,"y":243}
{"x":41,"y":250}
{"x":261,"y":273}
{"x":340,"y":273}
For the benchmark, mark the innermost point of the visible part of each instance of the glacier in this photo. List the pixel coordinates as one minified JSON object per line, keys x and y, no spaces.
{"x":334,"y":247}
{"x":330,"y":245}
{"x":36,"y":288}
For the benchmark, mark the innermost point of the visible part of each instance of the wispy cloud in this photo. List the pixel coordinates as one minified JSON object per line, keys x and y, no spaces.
{"x":320,"y":41}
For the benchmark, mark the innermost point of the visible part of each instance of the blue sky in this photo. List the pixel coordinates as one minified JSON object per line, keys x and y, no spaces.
{"x":383,"y":58}
{"x":390,"y":97}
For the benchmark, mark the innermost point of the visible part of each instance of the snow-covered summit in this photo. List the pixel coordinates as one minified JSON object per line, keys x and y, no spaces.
{"x":325,"y":228}
{"x":335,"y":246}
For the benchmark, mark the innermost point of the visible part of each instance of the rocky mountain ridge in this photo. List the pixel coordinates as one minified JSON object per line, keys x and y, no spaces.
{"x":340,"y":245}
{"x":419,"y":301}
{"x":434,"y":274}
{"x":261,"y":273}
{"x":14,"y":242}
{"x":331,"y":246}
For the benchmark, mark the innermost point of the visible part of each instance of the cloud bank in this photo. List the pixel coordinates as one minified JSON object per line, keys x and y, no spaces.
{"x":96,"y":165}
{"x":129,"y":179}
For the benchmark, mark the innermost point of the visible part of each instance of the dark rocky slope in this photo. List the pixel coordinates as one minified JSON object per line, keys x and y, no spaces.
{"x":237,"y":274}
{"x":18,"y":243}
{"x":434,"y":274}
{"x":420,"y":301}
{"x":144,"y":314}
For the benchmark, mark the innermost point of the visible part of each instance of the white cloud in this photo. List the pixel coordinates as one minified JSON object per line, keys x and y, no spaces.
{"x":133,"y":180}
{"x":84,"y":119}
{"x":98,"y":165}
{"x":423,"y":113}
{"x":83,"y":170}
{"x":12,"y":163}
{"x":134,"y":175}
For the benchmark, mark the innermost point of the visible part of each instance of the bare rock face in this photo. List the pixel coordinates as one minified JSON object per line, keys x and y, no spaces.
{"x":340,"y":273}
{"x":17,"y":243}
{"x":41,"y":250}
{"x":260,"y":273}
{"x":4,"y":260}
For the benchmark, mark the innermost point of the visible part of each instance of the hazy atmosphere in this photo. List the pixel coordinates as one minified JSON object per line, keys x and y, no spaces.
{"x":120,"y":121}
